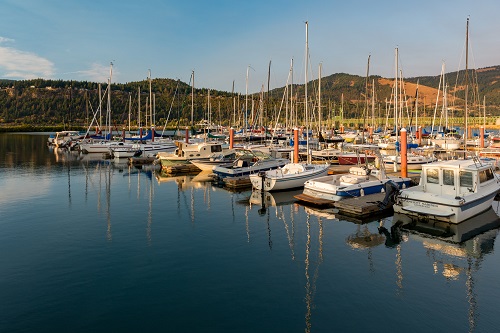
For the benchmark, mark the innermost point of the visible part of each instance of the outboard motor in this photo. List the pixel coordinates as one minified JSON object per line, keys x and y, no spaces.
{"x":391,"y":192}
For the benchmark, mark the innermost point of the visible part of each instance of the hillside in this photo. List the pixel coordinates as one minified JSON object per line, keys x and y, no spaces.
{"x":50,"y":102}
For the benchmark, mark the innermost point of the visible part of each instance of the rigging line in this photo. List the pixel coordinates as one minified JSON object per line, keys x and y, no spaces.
{"x":171,"y":106}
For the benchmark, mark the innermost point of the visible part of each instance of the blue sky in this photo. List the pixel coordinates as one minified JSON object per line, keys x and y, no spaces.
{"x":219,"y":39}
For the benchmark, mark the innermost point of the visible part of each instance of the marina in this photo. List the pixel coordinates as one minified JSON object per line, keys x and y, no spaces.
{"x":92,"y":244}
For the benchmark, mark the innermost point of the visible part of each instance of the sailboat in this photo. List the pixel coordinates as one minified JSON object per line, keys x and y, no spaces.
{"x":292,"y":175}
{"x":451,"y":191}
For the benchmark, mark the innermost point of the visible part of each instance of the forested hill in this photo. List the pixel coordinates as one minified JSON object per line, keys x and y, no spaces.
{"x":50,"y":102}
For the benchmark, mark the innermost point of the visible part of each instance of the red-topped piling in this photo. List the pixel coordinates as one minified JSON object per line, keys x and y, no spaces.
{"x":404,"y":156}
{"x":295,"y":145}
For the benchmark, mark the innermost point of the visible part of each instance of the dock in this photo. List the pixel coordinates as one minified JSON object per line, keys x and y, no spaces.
{"x":139,"y":161}
{"x":180,"y":169}
{"x":237,"y":182}
{"x":362,"y":206}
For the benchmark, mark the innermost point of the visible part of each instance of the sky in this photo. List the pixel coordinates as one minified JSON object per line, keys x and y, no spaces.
{"x":224,"y":40}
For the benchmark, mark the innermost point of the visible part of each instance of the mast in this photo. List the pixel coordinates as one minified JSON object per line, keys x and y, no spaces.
{"x":129,"y":109}
{"x":396,"y":96}
{"x":373,"y":104}
{"x":366,"y":97}
{"x":267,"y":96}
{"x":139,"y":107}
{"x":305,"y":87}
{"x":291,"y":95}
{"x":192,"y":99}
{"x":319,"y":95}
{"x":100,"y":107}
{"x":246,"y":101}
{"x":466,"y":82}
{"x":234,"y":106}
{"x":416,"y":109}
{"x":109,"y":96}
{"x":150,"y":100}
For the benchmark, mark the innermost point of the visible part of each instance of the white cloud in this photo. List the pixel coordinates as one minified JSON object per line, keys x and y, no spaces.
{"x":5,"y":40}
{"x":96,"y":73}
{"x":19,"y":64}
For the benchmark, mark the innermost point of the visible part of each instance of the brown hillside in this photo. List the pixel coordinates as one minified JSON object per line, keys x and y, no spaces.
{"x":426,"y":94}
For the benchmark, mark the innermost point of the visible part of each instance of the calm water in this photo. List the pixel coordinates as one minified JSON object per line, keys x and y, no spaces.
{"x":95,"y":246}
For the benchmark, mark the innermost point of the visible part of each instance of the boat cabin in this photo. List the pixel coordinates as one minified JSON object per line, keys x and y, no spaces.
{"x":455,"y":178}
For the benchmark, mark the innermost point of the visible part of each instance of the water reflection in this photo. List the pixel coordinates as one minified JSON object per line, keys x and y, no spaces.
{"x":283,"y":206}
{"x":457,"y":250}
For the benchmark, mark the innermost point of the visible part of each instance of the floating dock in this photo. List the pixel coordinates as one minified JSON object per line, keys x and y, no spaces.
{"x":362,"y":206}
{"x":181,"y":169}
{"x":139,"y":161}
{"x":237,"y":182}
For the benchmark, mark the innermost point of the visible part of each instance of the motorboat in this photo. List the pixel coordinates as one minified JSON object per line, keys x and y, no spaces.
{"x":359,"y":181}
{"x":224,"y":158}
{"x":450,"y":191}
{"x":185,"y":152}
{"x":250,"y":161}
{"x":292,"y":175}
{"x":414,"y":160}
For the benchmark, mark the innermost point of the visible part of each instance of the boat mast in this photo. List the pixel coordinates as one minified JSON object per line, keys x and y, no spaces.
{"x":139,"y":108}
{"x":319,"y":95}
{"x":466,"y":81}
{"x":129,"y":109}
{"x":366,"y":98}
{"x":109,"y":96}
{"x":305,"y":87}
{"x":396,"y":96}
{"x":100,"y":108}
{"x":246,"y":102}
{"x":150,"y":100}
{"x":192,"y":99}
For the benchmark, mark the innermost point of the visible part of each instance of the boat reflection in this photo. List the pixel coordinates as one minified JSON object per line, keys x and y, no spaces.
{"x":457,"y":250}
{"x":450,"y":232}
{"x":184,"y":182}
{"x":274,"y":199}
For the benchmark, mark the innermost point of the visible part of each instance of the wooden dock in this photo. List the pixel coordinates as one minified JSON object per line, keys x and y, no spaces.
{"x":355,"y":207}
{"x":139,"y":161}
{"x":237,"y":182}
{"x":362,"y":206}
{"x":314,"y":201}
{"x":180,"y":169}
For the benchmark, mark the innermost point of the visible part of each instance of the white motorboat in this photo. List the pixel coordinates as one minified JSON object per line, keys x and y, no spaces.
{"x":224,"y":158}
{"x":186,"y":152}
{"x":359,"y":181}
{"x":250,"y":161}
{"x":292,"y":175}
{"x":450,"y":191}
{"x":64,"y":138}
{"x":90,"y":146}
{"x":414,"y":160}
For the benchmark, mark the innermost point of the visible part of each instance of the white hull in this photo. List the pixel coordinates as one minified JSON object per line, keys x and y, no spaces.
{"x":414,"y":162}
{"x":440,"y":208}
{"x":450,"y":191}
{"x":292,"y":175}
{"x":102,"y":147}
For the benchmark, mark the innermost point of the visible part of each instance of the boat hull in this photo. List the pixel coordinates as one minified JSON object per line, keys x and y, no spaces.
{"x":354,"y":160}
{"x":425,"y":207}
{"x":330,"y":191}
{"x":280,"y":179}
